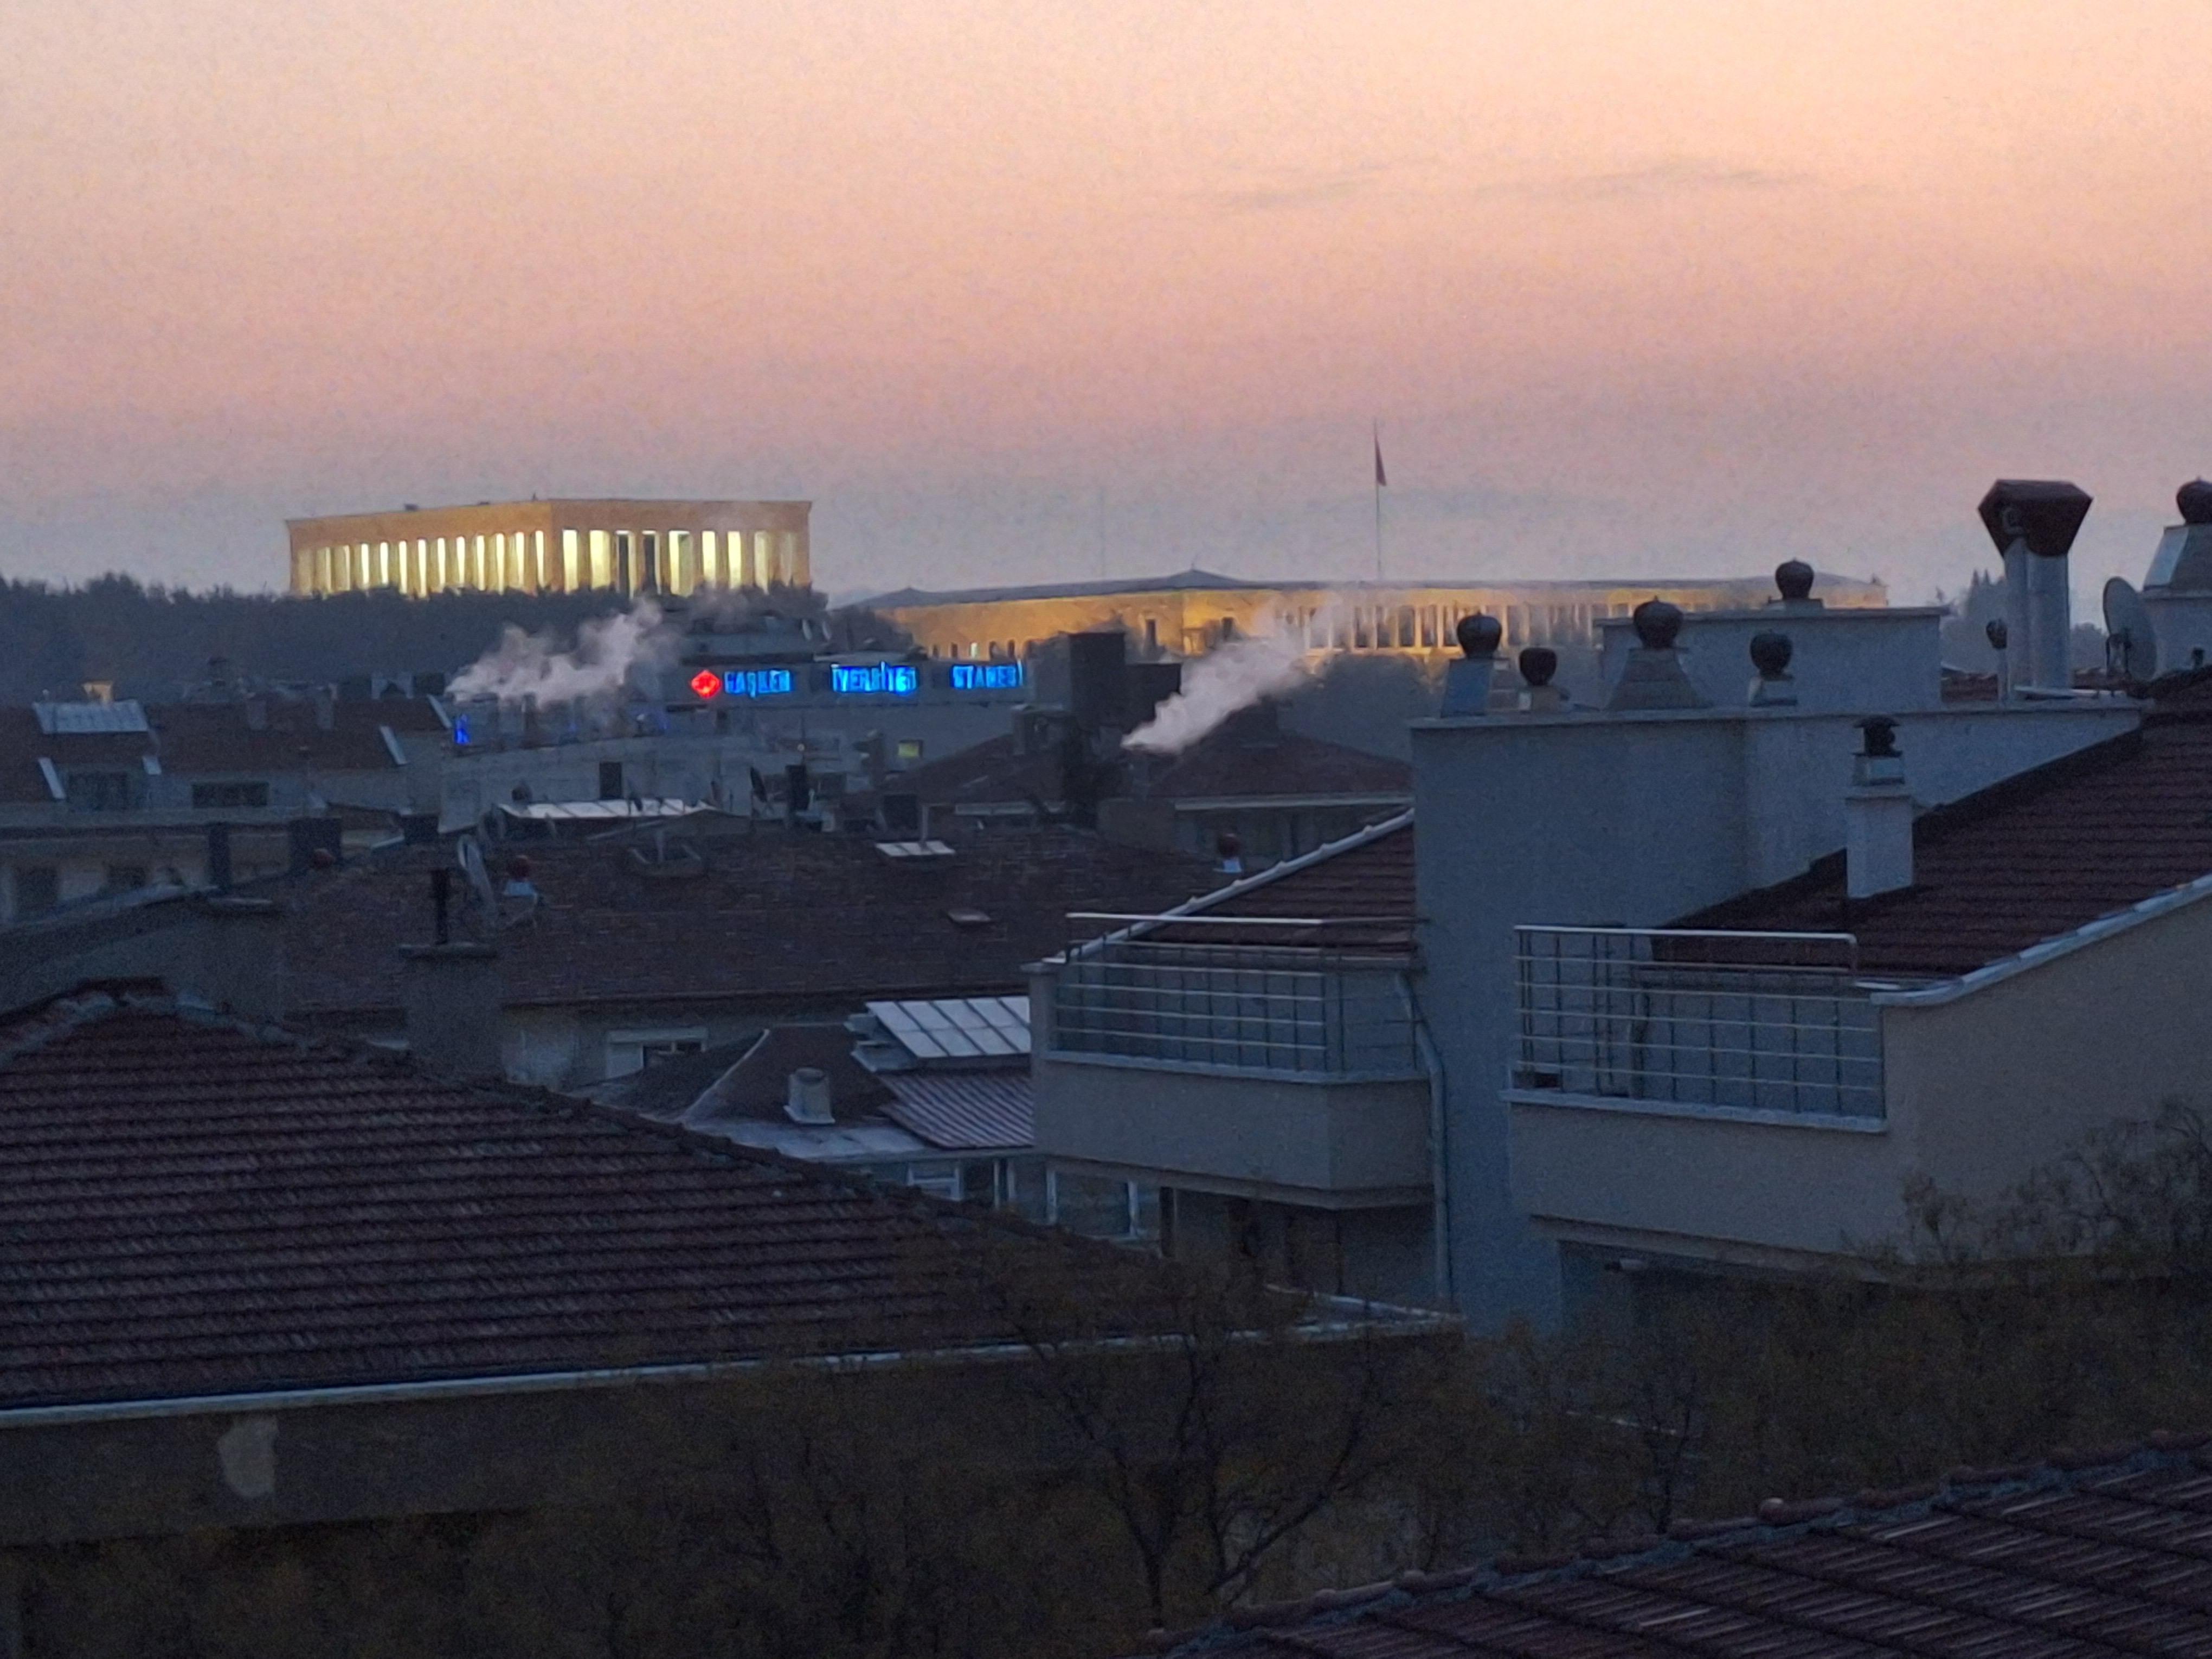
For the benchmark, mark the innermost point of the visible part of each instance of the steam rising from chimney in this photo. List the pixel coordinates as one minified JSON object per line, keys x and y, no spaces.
{"x":1234,"y":676}
{"x":531,"y":665}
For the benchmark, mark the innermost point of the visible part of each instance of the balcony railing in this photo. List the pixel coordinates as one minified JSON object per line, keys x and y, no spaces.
{"x":1243,"y":994}
{"x":1765,"y":1022}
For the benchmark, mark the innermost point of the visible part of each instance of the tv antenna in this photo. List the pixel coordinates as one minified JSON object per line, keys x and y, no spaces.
{"x":2130,"y":642}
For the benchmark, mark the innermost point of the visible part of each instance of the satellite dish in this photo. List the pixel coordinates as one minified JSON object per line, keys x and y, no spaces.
{"x":2130,"y":642}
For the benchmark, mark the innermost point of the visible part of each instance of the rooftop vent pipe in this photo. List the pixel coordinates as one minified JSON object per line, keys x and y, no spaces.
{"x":808,"y":1099}
{"x":2033,"y":522}
{"x":1877,"y":815}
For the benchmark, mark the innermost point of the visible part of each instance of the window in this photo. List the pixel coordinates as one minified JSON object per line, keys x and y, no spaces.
{"x":941,"y":1180}
{"x":99,"y":792}
{"x":909,"y":750}
{"x":207,"y":796}
{"x":37,"y":889}
{"x":630,"y":1052}
{"x":610,"y":780}
{"x":1099,"y":1206}
{"x":1404,"y":626}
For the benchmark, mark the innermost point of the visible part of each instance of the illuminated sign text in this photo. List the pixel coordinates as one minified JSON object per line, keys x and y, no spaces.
{"x":987,"y":676}
{"x":896,"y":679}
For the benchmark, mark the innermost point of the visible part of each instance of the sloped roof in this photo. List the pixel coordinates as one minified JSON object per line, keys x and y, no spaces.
{"x":964,"y":1111}
{"x":215,"y":737}
{"x":2074,"y":1557}
{"x":1362,"y":884}
{"x":788,"y":920}
{"x":23,"y":742}
{"x":193,"y":1205}
{"x":1224,"y":764}
{"x":759,"y":1084}
{"x":2036,"y":856}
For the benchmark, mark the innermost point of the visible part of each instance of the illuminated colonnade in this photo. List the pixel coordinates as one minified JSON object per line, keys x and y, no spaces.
{"x":627,"y":547}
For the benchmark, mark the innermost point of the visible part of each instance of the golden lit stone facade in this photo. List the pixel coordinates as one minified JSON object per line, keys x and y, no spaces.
{"x":1193,"y":611}
{"x":557,"y":547}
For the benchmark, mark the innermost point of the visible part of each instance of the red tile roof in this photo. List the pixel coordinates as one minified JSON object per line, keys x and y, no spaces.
{"x":787,"y":920}
{"x":2036,"y":856}
{"x":201,"y":737}
{"x":191,"y":1205}
{"x":2060,"y":1559}
{"x":215,"y":737}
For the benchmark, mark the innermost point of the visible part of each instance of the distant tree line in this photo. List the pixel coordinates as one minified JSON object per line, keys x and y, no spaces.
{"x":154,"y":643}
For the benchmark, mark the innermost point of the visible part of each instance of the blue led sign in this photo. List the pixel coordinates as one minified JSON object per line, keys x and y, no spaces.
{"x":895,"y":679}
{"x":757,"y":682}
{"x":987,"y":676}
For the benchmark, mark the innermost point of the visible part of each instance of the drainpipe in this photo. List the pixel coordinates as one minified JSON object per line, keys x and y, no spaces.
{"x":1440,"y":1201}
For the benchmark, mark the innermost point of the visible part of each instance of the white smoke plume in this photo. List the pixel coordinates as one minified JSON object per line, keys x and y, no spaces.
{"x":1232,"y":676}
{"x":532,"y":666}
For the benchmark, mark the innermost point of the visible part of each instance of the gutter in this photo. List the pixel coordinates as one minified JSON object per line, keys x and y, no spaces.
{"x":1440,"y":1168}
{"x":2091,"y":932}
{"x":1356,"y":1318}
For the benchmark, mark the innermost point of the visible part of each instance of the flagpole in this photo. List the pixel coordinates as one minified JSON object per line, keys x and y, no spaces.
{"x":1379,"y":501}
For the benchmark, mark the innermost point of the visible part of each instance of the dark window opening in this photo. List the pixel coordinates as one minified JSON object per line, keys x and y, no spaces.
{"x":610,"y":780}
{"x":101,"y":792}
{"x":37,"y":889}
{"x":206,"y":795}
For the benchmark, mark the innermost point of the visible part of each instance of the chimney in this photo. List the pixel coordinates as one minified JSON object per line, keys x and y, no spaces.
{"x":1877,"y":815}
{"x":807,"y":1100}
{"x":238,"y":966}
{"x":218,"y":857}
{"x":451,"y":992}
{"x":1468,"y":682}
{"x":1654,"y":677}
{"x":2033,"y":522}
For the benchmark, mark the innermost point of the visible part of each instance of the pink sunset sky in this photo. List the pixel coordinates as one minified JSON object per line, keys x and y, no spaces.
{"x":1023,"y":291}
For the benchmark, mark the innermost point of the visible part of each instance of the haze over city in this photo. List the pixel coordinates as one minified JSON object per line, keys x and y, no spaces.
{"x":1020,"y":291}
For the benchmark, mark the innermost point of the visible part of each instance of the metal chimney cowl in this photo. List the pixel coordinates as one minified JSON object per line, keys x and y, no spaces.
{"x":807,"y":1100}
{"x":2033,"y":522}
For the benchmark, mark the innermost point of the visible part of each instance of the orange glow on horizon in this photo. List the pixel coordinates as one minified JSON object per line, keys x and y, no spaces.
{"x":1015,"y":288}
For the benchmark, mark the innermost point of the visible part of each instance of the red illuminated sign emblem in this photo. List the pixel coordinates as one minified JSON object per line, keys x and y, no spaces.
{"x":706,"y":684}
